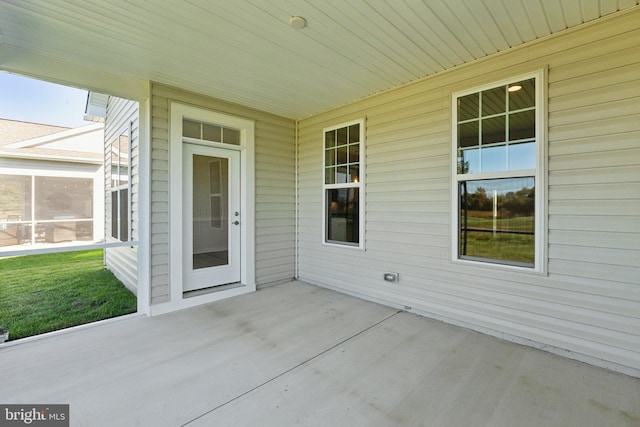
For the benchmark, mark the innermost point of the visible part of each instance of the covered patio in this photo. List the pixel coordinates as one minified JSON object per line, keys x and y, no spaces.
{"x":296,"y":354}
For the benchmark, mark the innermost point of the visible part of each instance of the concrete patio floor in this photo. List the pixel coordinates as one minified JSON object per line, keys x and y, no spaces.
{"x":296,"y":354}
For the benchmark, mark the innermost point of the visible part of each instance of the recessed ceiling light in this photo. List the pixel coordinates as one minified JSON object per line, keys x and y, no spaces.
{"x":297,"y":22}
{"x":514,"y":88}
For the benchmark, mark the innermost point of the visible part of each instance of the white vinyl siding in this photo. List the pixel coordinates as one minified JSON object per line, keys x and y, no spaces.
{"x":588,"y":304}
{"x":122,"y":114}
{"x":274,"y":188}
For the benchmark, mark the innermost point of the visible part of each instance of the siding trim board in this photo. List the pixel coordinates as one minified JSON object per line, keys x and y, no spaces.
{"x":586,"y":304}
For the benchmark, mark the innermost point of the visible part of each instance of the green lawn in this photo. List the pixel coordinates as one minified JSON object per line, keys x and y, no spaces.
{"x":503,"y":245}
{"x":43,"y":293}
{"x":526,"y":223}
{"x":508,"y":247}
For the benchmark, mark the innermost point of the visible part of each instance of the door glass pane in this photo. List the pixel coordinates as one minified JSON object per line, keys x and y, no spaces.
{"x":191,"y":129}
{"x":211,"y":132}
{"x":210,"y":211}
{"x":231,"y":136}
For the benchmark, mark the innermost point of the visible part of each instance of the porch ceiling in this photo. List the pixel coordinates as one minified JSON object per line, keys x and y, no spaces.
{"x":245,"y":51}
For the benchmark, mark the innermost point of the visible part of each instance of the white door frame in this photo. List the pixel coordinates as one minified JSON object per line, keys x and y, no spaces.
{"x":246,"y":126}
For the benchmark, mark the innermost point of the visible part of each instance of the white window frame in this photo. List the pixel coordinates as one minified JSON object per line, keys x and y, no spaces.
{"x":360,"y":185}
{"x":539,"y":174}
{"x":128,"y":131}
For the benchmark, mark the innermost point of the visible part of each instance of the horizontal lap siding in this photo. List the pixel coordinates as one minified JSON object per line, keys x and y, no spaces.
{"x":589,"y":303}
{"x":123,"y":262}
{"x":274,"y":188}
{"x":275,"y":199}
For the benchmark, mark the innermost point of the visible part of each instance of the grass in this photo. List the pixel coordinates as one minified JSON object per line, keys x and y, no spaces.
{"x":503,"y":245}
{"x":44,"y":293}
{"x":526,"y":223}
{"x":508,"y":247}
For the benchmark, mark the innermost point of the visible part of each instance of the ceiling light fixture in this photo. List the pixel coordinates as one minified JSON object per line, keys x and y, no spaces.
{"x":297,"y":22}
{"x":514,"y":88}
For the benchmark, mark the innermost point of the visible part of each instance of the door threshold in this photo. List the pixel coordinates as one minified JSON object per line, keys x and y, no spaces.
{"x":211,"y":290}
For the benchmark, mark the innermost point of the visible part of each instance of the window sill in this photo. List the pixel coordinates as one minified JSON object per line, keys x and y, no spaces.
{"x":343,"y":245}
{"x":499,"y":267}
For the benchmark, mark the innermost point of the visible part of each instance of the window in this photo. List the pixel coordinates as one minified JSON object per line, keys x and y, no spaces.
{"x":210,"y":132}
{"x":38,"y":209}
{"x":343,"y":186}
{"x":499,"y":178}
{"x":121,"y":186}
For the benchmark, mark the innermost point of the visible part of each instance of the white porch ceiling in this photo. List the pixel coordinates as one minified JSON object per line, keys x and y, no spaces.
{"x":245,"y":52}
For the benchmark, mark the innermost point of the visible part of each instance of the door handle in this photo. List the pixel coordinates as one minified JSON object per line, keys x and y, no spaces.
{"x":235,"y":222}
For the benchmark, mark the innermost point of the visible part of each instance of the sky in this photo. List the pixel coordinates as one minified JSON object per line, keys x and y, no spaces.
{"x":31,"y":100}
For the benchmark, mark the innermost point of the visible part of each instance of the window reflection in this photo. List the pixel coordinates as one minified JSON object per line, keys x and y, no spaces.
{"x":342,"y":215}
{"x":493,"y":159}
{"x":496,"y":127}
{"x":523,"y":98}
{"x":497,"y":220}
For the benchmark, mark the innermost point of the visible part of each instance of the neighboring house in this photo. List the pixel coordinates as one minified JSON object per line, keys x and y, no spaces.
{"x":50,"y":184}
{"x":501,"y":193}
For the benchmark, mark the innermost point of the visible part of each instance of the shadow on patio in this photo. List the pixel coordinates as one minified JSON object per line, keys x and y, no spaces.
{"x":296,"y":354}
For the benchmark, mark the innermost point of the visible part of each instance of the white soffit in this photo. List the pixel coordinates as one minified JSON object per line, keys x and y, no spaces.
{"x":246,"y":52}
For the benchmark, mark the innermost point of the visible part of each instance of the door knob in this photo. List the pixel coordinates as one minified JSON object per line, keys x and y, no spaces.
{"x":236,"y":222}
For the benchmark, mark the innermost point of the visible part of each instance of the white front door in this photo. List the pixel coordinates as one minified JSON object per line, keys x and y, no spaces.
{"x":211,"y":216}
